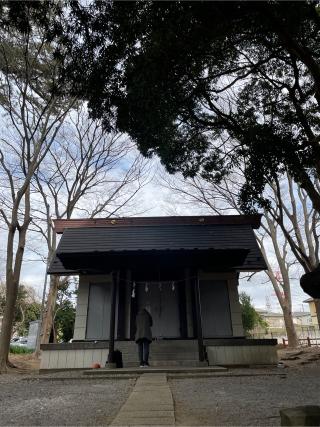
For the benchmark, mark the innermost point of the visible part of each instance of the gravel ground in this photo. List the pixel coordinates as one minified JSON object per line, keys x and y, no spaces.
{"x":244,"y":400}
{"x":45,"y":402}
{"x":237,"y":397}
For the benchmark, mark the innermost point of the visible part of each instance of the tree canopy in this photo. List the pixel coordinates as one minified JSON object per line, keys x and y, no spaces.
{"x":203,"y":83}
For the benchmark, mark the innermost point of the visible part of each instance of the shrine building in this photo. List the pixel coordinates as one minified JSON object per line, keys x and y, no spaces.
{"x":183,"y":270}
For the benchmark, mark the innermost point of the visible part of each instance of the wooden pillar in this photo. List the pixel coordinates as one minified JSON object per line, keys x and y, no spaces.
{"x":189,"y":305}
{"x":201,"y":348}
{"x":114,"y":287}
{"x":133,"y":309}
{"x":128,"y":305}
{"x":181,"y":289}
{"x":121,"y":329}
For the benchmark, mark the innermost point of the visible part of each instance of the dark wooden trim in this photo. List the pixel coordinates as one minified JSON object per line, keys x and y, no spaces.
{"x":114,"y":286}
{"x":201,"y":347}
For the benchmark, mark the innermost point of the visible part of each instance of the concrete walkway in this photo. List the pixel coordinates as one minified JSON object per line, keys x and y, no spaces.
{"x":149,"y":404}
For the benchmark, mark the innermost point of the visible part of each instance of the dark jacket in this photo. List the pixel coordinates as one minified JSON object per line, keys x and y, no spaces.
{"x":143,"y":325}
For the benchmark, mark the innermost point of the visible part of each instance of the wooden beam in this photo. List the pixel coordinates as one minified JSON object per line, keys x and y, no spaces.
{"x":201,"y":349}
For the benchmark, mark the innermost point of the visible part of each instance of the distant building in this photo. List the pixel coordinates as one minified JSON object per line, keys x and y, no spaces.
{"x":313,"y":303}
{"x":276,"y":325}
{"x":275,"y":320}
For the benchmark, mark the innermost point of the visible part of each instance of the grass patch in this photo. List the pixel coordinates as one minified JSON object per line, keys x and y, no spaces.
{"x":16,"y":349}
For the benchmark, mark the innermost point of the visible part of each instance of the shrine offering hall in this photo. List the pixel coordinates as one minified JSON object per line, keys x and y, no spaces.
{"x":183,"y":270}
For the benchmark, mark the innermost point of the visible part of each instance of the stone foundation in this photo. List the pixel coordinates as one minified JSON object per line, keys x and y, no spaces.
{"x":72,"y":356}
{"x":242,"y":352}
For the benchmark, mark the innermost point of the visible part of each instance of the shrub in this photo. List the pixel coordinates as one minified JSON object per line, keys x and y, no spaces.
{"x":16,"y":349}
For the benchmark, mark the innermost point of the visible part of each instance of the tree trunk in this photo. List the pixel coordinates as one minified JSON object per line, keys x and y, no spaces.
{"x":293,"y":340}
{"x":13,"y":270}
{"x":47,"y":322}
{"x":7,"y":324}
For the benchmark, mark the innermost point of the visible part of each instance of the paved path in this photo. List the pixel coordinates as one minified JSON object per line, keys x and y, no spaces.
{"x":150,"y":403}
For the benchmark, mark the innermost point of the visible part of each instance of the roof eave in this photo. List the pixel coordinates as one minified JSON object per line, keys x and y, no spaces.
{"x":253,"y":220}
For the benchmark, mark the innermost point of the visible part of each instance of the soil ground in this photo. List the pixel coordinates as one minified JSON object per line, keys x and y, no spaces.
{"x":25,"y":363}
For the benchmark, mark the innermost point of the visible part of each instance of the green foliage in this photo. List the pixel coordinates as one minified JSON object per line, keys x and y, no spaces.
{"x":16,"y":349}
{"x":250,"y":317}
{"x":181,"y":77}
{"x":64,"y":313}
{"x":64,"y":321}
{"x":21,"y":15}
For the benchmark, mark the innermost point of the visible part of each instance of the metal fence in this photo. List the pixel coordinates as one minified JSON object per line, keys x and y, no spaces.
{"x":308,"y":335}
{"x":305,"y":342}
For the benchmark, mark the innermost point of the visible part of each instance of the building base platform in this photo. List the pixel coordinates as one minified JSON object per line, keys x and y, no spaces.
{"x":175,"y":354}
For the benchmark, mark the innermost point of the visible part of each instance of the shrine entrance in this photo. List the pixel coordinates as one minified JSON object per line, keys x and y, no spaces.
{"x":161,"y":299}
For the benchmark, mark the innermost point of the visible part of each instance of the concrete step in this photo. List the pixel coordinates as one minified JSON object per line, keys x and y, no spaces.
{"x":178,"y":344}
{"x":163,"y":356}
{"x":170,"y":370}
{"x":161,"y":349}
{"x":163,"y":353}
{"x":166,"y":363}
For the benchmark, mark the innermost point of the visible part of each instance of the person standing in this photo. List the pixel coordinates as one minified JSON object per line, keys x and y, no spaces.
{"x":143,"y":335}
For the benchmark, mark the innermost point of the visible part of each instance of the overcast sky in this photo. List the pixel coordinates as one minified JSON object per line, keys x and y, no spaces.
{"x":155,"y":200}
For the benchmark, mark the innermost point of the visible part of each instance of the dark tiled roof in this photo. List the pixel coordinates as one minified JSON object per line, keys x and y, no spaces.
{"x":127,"y":239}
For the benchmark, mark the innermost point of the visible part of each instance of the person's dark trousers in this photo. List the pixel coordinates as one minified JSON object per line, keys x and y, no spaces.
{"x":143,"y":346}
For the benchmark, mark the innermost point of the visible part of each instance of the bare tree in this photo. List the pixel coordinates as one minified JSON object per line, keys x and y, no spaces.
{"x":289,"y":222}
{"x":32,"y":114}
{"x":292,"y":210}
{"x":87,"y":172}
{"x":281,"y":282}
